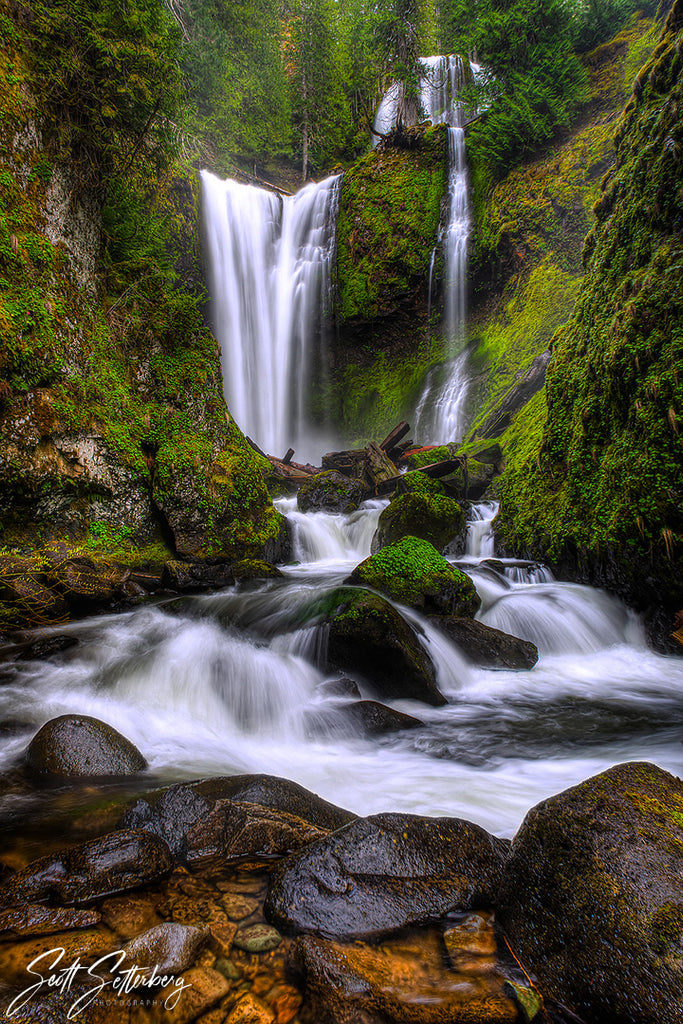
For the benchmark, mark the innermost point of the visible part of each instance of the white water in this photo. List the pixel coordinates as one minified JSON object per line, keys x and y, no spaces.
{"x":440,"y":413}
{"x":227,"y":684}
{"x":270,"y":260}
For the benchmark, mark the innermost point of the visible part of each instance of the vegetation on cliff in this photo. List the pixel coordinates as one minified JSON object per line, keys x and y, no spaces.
{"x":605,"y":482}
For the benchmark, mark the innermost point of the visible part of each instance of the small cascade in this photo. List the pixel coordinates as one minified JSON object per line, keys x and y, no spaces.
{"x":270,"y":261}
{"x":330,"y":539}
{"x":480,"y":542}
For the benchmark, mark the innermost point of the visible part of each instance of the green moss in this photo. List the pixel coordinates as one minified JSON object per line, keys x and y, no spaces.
{"x":666,"y":924}
{"x":606,"y":476}
{"x":413,"y":572}
{"x":389,"y":215}
{"x":434,"y":518}
{"x":424,"y":458}
{"x":420,"y":483}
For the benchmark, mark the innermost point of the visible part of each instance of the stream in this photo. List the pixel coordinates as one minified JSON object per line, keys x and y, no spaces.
{"x":228,"y":683}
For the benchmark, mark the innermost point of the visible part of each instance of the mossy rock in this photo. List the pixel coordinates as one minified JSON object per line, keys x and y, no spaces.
{"x":592,"y":900}
{"x":419,"y":483}
{"x":331,"y":492}
{"x":255,"y":569}
{"x":431,"y":517}
{"x":413,"y":572}
{"x":369,"y":637}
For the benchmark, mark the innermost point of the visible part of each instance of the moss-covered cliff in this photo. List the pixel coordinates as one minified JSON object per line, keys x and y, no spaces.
{"x":601,"y":490}
{"x":526,"y":264}
{"x":391,"y":208}
{"x":114,"y":436}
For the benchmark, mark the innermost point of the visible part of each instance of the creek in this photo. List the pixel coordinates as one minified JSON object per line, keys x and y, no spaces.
{"x":229,"y":683}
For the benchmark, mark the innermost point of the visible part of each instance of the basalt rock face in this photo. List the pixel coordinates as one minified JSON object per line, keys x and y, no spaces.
{"x":599,"y":489}
{"x":592,"y":898}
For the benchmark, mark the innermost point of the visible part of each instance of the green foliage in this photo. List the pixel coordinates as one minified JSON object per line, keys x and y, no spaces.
{"x":237,"y":82}
{"x":607,"y":474}
{"x":596,"y":20}
{"x":109,"y":74}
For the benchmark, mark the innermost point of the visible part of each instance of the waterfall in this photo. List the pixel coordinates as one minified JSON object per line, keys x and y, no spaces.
{"x":439,"y":416}
{"x":440,"y":412}
{"x":270,"y":260}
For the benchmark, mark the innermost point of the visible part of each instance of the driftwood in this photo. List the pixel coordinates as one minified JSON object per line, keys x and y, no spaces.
{"x":288,"y":457}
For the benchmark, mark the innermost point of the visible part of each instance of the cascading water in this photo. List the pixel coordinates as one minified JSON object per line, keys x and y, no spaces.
{"x":440,"y":411}
{"x":230,"y":683}
{"x":270,"y":260}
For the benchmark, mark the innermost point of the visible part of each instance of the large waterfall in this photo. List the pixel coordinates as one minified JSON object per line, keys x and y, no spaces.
{"x":439,"y":415}
{"x":270,"y":260}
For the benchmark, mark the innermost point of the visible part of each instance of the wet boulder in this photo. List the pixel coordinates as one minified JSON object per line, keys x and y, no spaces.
{"x":368,"y":636}
{"x":359,"y":718}
{"x":406,"y":980}
{"x":487,"y":647}
{"x":340,"y":687}
{"x":331,"y":492}
{"x":76,"y":747}
{"x":171,"y":947}
{"x":384,"y":872}
{"x":411,"y":571}
{"x":174,"y":811}
{"x":234,"y":830}
{"x":592,"y":899}
{"x":254,"y":569}
{"x":87,"y":586}
{"x":113,"y":863}
{"x":191,"y":577}
{"x":431,"y":517}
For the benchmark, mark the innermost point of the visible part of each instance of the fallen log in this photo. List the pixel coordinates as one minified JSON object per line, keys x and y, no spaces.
{"x":436,"y":471}
{"x":349,"y":463}
{"x":378,"y":466}
{"x":288,"y":457}
{"x":397,"y":434}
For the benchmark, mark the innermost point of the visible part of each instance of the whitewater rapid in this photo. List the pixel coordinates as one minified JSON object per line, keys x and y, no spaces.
{"x":228,"y":683}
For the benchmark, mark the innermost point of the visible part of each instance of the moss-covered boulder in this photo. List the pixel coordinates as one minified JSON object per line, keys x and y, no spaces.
{"x":431,"y":517}
{"x":331,"y":492}
{"x":592,"y":900}
{"x":76,"y":746}
{"x":368,"y":636}
{"x":413,"y":572}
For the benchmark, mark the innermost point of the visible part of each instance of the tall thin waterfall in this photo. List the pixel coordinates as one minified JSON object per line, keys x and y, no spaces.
{"x":439,"y":416}
{"x":270,"y":261}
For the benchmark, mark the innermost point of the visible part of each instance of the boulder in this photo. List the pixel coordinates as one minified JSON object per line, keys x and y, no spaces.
{"x":75,"y":746}
{"x":171,"y":947}
{"x":592,"y":899}
{"x":487,"y":647}
{"x":235,"y":830}
{"x":45,"y":647}
{"x":384,"y":872}
{"x":36,"y":919}
{"x":113,"y":863}
{"x":190,"y":577}
{"x":404,"y":981}
{"x":255,"y":569}
{"x":341,"y":687}
{"x":413,"y":572}
{"x":24,"y":586}
{"x":360,"y":718}
{"x":431,"y":517}
{"x":367,"y":635}
{"x":86,"y":586}
{"x":331,"y":492}
{"x":173,"y":812}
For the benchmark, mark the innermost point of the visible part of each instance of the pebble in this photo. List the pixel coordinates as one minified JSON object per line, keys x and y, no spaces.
{"x":258,"y":938}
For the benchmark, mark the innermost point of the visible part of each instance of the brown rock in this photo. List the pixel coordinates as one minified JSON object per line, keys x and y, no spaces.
{"x":171,"y":947}
{"x":403,"y":981}
{"x":234,"y":831}
{"x":223,"y":934}
{"x":76,"y":746}
{"x":113,"y":863}
{"x":88,"y":945}
{"x":238,"y":907}
{"x":34,"y":919}
{"x":206,"y":988}
{"x":128,"y":916}
{"x":250,"y":1010}
{"x":474,"y":934}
